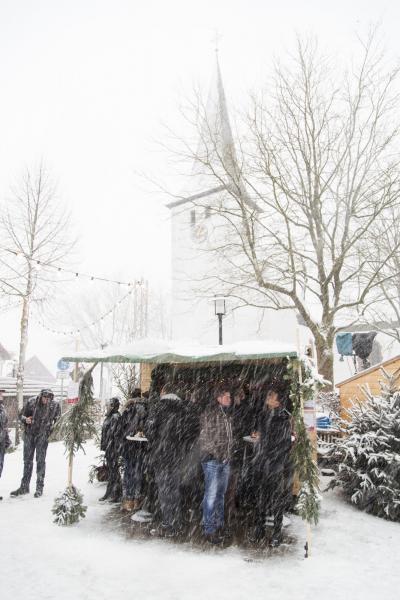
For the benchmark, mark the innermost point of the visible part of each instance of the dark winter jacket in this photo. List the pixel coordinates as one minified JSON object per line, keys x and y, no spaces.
{"x":109,"y":442}
{"x":242,"y":425}
{"x":190,"y":468}
{"x":273,"y":449}
{"x":165,"y":430}
{"x":5,"y":441}
{"x":133,"y":419}
{"x":44,"y":417}
{"x":216,"y":434}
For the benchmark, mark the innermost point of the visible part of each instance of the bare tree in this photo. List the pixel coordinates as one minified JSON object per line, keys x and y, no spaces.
{"x":35,"y":237}
{"x":382,"y":313}
{"x":315,"y":167}
{"x":116,"y":315}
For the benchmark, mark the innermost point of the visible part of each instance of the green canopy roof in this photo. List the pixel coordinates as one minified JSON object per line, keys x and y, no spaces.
{"x":161,"y":351}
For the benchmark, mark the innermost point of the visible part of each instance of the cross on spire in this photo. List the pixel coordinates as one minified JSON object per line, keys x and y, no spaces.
{"x":216,"y":39}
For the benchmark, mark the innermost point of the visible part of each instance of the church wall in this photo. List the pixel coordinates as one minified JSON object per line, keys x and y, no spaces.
{"x":192,"y":306}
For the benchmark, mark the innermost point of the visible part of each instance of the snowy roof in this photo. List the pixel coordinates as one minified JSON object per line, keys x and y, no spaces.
{"x":31,"y":387}
{"x":161,"y":351}
{"x":371,"y":369}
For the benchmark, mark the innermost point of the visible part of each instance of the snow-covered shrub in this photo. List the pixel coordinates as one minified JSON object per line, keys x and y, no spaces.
{"x":68,"y":507}
{"x":329,"y":403}
{"x":369,"y":452}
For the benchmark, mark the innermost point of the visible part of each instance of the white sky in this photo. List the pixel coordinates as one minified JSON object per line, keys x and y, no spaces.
{"x":87,"y":85}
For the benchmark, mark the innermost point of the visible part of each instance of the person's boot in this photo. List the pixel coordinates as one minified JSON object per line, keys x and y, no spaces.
{"x":20,"y":491}
{"x":104,"y":498}
{"x":137,"y":503}
{"x":128,"y":505}
{"x":38,"y":494}
{"x":276,"y":539}
{"x":214,"y":538}
{"x":115,"y":499}
{"x":258,"y":535}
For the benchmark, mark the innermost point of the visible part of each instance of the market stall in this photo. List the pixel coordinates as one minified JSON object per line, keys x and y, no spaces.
{"x":249,"y":368}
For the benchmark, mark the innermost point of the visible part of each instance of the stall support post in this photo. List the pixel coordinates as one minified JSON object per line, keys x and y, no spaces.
{"x":220,"y":329}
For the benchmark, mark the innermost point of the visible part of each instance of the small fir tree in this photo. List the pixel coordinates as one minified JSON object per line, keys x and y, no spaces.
{"x":369,"y":452}
{"x":75,"y":427}
{"x":68,"y":507}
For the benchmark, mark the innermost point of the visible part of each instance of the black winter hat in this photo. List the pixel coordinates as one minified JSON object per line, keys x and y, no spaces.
{"x":114,"y":402}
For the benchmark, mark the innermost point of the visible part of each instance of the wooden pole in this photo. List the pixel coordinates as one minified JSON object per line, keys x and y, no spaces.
{"x":307,"y":546}
{"x":70,"y":467}
{"x":71,"y":454}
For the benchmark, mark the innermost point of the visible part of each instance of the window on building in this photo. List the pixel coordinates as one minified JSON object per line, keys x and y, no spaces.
{"x":193,"y":218}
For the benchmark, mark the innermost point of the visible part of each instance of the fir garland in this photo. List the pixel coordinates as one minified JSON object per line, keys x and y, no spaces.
{"x":305,"y":466}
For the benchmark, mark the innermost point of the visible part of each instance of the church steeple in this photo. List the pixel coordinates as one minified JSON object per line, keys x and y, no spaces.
{"x":216,"y":148}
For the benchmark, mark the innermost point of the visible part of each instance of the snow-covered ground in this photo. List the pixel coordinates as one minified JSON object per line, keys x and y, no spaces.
{"x":355,"y":556}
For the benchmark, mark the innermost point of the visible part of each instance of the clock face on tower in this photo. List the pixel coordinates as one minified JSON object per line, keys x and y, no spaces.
{"x":200,"y":232}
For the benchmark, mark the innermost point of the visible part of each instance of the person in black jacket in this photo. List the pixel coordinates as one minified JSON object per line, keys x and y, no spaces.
{"x":5,"y":441}
{"x":38,"y":417}
{"x":272,"y":457}
{"x":133,"y":453}
{"x":110,"y":445}
{"x":165,"y":432}
{"x":242,"y":425}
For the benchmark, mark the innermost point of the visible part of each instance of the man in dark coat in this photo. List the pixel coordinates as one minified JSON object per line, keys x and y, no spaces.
{"x":5,"y":441}
{"x":133,"y":453}
{"x":242,"y":425}
{"x":165,"y":432}
{"x":271,"y":465}
{"x":216,"y":446}
{"x":38,"y":417}
{"x":109,"y":443}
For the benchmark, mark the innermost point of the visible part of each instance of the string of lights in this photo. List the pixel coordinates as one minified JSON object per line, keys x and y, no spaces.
{"x":76,"y":274}
{"x":77,"y":331}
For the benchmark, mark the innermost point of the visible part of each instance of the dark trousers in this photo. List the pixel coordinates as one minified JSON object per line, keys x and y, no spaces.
{"x":168,"y":481}
{"x":133,"y":477}
{"x":272,"y":501}
{"x":114,"y":485}
{"x":32,"y":444}
{"x":231,"y":497}
{"x":2,"y":453}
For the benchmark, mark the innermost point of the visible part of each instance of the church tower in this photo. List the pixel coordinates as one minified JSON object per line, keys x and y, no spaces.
{"x":194,"y":229}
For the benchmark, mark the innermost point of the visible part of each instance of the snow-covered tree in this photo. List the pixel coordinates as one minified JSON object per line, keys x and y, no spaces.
{"x":369,"y":452}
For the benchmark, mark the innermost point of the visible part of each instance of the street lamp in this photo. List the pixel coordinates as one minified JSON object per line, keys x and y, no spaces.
{"x":102,"y":346}
{"x":220,"y":311}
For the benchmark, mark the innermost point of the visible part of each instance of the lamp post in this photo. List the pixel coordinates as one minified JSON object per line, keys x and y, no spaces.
{"x":102,"y":346}
{"x":220,"y":311}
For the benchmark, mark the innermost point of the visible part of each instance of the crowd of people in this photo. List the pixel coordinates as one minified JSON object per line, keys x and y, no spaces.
{"x":222,"y":463}
{"x":218,"y":461}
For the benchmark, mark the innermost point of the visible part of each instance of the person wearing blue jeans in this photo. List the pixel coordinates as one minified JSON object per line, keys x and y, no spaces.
{"x":216,"y":443}
{"x":216,"y":477}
